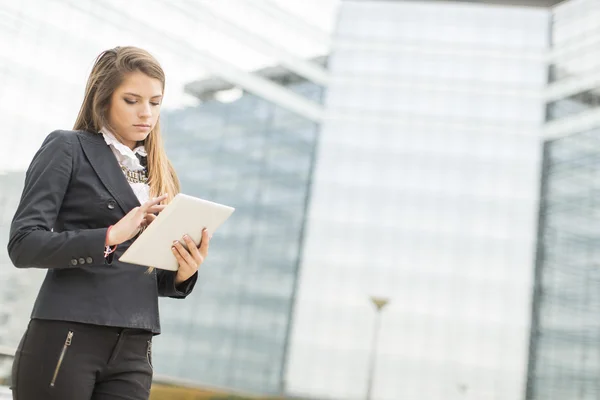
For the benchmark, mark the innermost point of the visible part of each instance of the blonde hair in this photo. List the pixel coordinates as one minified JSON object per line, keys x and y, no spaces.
{"x":108,"y":72}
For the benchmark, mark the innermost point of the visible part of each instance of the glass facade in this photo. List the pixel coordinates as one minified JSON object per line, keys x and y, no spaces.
{"x":575,"y":35}
{"x":573,"y":105}
{"x":565,"y":337}
{"x":565,"y":361}
{"x":425,"y":192}
{"x":257,"y":157}
{"x":574,"y":59}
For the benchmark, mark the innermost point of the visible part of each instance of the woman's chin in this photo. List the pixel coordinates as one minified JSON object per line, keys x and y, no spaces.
{"x":139,"y":136}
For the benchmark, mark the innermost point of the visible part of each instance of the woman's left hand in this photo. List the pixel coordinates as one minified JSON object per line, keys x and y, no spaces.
{"x":191,"y":259}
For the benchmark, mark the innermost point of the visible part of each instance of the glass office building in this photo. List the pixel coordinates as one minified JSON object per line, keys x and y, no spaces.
{"x":257,"y":157}
{"x":425,"y":192}
{"x":565,"y":338}
{"x":565,"y":361}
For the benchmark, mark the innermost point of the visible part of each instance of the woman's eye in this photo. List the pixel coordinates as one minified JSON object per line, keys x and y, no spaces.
{"x":128,"y":101}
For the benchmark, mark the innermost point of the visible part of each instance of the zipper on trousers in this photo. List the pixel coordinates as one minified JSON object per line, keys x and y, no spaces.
{"x":61,"y":357}
{"x":149,"y":354}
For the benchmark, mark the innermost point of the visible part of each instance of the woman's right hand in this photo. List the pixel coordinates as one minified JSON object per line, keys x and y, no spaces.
{"x":130,"y":224}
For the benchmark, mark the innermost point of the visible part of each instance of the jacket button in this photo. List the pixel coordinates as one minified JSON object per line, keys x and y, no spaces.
{"x":111,"y":204}
{"x":74,"y":261}
{"x":89,"y":260}
{"x":82,"y":261}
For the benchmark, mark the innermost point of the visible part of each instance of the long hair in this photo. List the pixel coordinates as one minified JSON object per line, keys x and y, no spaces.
{"x":109,"y":71}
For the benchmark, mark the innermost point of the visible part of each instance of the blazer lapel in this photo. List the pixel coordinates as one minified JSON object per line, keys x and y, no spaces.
{"x":107,"y":168}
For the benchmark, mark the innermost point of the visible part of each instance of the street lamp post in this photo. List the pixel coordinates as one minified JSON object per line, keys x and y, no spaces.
{"x":379,"y":303}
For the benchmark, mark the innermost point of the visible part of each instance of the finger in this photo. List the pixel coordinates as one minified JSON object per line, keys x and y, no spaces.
{"x":193,"y":250}
{"x":204,"y":243}
{"x":149,"y":218}
{"x":184,"y":254}
{"x":180,"y":260}
{"x":155,"y":209}
{"x":153,"y":202}
{"x":184,"y":265}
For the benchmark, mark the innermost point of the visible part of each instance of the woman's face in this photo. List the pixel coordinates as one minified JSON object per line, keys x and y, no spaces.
{"x":134,"y":108}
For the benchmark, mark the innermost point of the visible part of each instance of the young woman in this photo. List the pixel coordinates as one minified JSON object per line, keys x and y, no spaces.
{"x":88,"y":193}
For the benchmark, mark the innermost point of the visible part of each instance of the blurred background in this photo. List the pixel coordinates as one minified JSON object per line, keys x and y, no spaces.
{"x":417,"y":186}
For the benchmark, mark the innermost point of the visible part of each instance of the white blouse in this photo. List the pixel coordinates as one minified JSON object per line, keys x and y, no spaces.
{"x":127,"y":158}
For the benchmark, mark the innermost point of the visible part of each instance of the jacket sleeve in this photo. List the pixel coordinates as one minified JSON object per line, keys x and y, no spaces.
{"x":32,"y":243}
{"x":167,"y":287}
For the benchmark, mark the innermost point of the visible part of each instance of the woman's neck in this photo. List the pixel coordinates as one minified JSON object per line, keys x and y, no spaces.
{"x":129,"y":143}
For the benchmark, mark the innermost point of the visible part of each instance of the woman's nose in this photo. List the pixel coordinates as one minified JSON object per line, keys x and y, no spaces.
{"x":146,"y":111}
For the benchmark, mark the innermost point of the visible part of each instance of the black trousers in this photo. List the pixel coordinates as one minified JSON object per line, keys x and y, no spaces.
{"x":58,"y":360}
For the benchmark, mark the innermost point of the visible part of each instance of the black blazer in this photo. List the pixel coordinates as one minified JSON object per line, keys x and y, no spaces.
{"x":74,"y":189}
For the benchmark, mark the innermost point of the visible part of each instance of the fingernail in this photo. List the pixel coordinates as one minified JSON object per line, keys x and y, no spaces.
{"x":175,"y":242}
{"x":173,"y":248}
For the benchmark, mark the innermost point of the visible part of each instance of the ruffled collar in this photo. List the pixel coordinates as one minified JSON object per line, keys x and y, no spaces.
{"x":126,"y":156}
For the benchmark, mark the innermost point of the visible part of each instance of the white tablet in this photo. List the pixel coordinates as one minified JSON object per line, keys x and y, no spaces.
{"x":183,"y":215}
